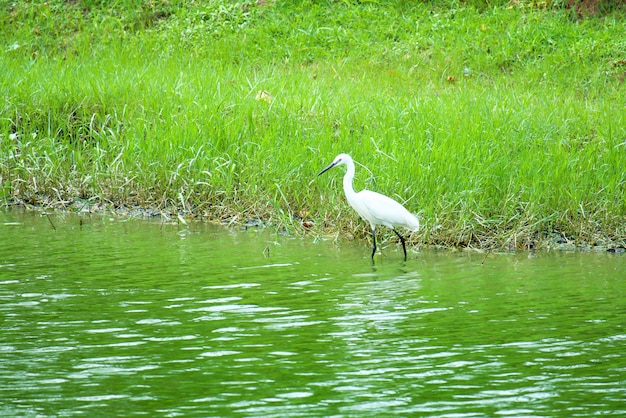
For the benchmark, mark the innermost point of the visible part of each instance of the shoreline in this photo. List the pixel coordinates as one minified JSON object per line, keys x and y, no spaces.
{"x":556,"y":243}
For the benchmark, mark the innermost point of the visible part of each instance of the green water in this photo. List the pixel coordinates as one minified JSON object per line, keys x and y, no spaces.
{"x":113,"y":317}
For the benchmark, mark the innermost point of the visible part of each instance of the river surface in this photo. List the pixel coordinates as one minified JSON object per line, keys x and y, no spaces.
{"x":107,"y":316}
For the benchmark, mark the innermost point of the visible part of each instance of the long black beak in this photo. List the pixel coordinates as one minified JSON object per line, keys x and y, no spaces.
{"x":331,"y":165}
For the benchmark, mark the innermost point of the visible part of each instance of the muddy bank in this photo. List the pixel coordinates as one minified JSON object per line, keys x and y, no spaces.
{"x":297,"y":225}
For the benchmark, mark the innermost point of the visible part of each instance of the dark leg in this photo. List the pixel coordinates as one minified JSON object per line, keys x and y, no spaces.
{"x":402,"y":241}
{"x":374,"y":243}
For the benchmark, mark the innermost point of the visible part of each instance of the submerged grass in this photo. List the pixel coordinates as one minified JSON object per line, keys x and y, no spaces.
{"x":503,"y":126}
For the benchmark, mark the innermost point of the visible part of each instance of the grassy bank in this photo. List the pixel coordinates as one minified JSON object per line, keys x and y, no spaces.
{"x":501,"y":125}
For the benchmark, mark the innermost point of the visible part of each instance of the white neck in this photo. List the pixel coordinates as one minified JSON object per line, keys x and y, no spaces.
{"x":347,"y":180}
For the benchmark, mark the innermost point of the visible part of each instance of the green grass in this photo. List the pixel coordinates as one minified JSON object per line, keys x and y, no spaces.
{"x":500,"y":125}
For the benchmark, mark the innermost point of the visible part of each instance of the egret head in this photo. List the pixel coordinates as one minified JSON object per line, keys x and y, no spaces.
{"x":339,"y":160}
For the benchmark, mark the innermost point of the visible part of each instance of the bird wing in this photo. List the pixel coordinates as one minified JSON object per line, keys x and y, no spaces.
{"x":382,"y":210}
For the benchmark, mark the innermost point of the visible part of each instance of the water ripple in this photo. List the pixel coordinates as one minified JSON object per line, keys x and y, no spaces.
{"x":164,"y":324}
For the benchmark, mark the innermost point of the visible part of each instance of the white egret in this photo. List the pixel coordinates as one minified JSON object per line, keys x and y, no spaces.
{"x":375,"y":208}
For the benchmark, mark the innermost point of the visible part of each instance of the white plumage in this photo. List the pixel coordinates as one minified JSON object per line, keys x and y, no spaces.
{"x":375,"y":208}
